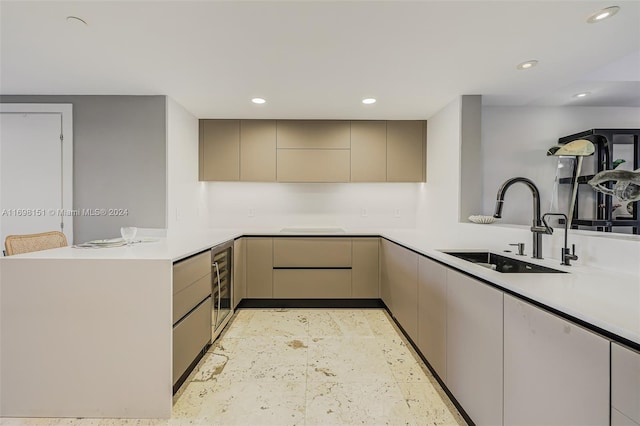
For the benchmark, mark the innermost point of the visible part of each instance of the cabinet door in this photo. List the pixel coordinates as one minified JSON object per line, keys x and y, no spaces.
{"x":365,"y":282}
{"x":189,"y":337}
{"x":385,"y":273}
{"x":406,"y":151}
{"x":258,"y":150}
{"x":309,"y":252}
{"x":312,"y":283}
{"x":259,"y":268}
{"x":474,"y":347}
{"x":555,"y":373}
{"x":401,"y":268}
{"x":309,"y":134}
{"x":313,"y":165}
{"x":219,"y":150}
{"x":368,"y":151}
{"x":432,"y":314}
{"x":239,"y":271}
{"x":625,"y":382}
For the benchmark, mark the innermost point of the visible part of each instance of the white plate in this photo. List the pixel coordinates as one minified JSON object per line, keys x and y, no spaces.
{"x":482,"y":219}
{"x":106,"y":242}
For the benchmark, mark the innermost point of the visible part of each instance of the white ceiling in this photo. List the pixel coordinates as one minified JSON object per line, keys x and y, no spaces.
{"x":319,"y":59}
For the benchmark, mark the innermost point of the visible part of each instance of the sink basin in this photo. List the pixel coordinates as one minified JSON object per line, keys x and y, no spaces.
{"x":502,"y":264}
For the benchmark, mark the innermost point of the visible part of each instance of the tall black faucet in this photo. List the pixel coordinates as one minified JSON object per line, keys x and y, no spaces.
{"x":538,"y":228}
{"x":567,"y":255}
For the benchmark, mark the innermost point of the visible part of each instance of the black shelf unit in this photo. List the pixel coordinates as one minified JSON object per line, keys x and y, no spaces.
{"x":604,"y":140}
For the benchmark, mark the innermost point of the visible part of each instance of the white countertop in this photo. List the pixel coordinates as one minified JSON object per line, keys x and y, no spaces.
{"x":607,"y":300}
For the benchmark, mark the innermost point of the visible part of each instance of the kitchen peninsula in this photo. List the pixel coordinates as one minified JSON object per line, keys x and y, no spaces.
{"x":88,"y":333}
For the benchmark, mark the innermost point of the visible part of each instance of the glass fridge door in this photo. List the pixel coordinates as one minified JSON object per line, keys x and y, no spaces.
{"x":222,"y":286}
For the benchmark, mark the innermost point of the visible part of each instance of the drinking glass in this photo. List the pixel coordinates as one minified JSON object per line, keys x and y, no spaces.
{"x":128,"y":233}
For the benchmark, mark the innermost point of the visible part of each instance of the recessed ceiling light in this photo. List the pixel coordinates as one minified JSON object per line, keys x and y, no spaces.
{"x":258,"y":100}
{"x":602,"y":14}
{"x":76,"y":20}
{"x":528,"y":64}
{"x":581,"y":95}
{"x":369,"y":101}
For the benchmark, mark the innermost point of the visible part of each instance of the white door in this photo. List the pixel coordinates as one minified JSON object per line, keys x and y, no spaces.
{"x":32,"y":177}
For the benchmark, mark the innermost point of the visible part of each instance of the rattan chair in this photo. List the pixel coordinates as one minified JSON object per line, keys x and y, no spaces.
{"x":17,"y":244}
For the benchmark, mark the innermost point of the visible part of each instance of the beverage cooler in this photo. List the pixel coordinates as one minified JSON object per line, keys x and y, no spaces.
{"x":222,"y":281}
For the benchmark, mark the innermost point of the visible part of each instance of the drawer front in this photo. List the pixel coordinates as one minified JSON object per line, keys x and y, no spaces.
{"x":188,"y":271}
{"x":312,"y":283}
{"x":313,"y":165}
{"x":189,"y":337}
{"x":313,"y":134}
{"x":625,"y":381}
{"x":187,"y":298}
{"x":312,"y":252}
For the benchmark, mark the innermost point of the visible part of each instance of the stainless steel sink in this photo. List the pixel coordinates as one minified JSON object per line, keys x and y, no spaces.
{"x":503,"y":264}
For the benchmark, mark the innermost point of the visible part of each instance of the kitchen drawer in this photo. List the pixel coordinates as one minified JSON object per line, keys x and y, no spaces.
{"x":312,"y":252}
{"x":189,"y":337}
{"x":190,"y":296}
{"x":305,"y":134}
{"x":188,"y":271}
{"x":625,"y":381}
{"x":312,"y":283}
{"x":313,"y":165}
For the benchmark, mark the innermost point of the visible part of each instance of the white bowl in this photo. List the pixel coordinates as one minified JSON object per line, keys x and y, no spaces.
{"x":482,"y":219}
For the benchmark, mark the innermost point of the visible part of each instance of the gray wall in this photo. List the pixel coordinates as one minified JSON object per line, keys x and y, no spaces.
{"x":119,"y":149}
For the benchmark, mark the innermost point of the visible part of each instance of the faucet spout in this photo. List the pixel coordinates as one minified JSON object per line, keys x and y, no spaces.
{"x":537,"y":227}
{"x":566,"y":254}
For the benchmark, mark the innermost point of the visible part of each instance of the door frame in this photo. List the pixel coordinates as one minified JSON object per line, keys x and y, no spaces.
{"x":65,"y":111}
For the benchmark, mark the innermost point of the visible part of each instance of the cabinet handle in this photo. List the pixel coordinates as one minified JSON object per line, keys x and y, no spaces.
{"x":219,"y":291}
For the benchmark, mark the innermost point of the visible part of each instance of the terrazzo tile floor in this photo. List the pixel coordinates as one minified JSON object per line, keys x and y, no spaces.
{"x":303,"y":367}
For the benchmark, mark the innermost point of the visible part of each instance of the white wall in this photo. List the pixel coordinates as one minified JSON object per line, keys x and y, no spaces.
{"x":439,"y":204}
{"x":186,"y":197}
{"x":515,"y":141}
{"x":280,"y":205}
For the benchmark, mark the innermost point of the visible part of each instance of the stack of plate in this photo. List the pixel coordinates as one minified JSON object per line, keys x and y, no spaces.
{"x":482,"y":219}
{"x":113,"y":242}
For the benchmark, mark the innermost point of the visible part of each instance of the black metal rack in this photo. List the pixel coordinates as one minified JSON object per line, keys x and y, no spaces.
{"x":603,"y":140}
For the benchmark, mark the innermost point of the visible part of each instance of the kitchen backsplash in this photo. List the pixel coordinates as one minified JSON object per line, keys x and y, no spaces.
{"x":277,"y":205}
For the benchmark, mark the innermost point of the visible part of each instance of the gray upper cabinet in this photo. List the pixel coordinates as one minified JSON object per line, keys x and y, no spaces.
{"x":258,"y":150}
{"x":313,"y":165}
{"x":555,"y":372}
{"x":314,"y":134}
{"x":368,"y":151}
{"x":406,"y":151}
{"x":312,"y":151}
{"x":474,"y":347}
{"x":219,"y":150}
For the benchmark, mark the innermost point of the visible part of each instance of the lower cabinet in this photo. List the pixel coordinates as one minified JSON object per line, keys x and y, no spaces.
{"x":307,"y":268}
{"x":474,"y":347}
{"x":259,"y":263}
{"x":432,"y":314}
{"x":312,"y":283}
{"x":555,"y":372}
{"x":365,"y":275}
{"x":399,"y":286}
{"x":190,"y":335}
{"x":625,"y":386}
{"x":239,"y":271}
